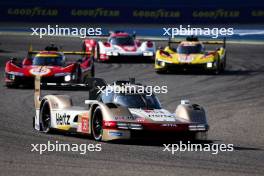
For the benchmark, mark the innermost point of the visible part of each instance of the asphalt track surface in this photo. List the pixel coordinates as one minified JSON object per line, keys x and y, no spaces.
{"x":234,"y":102}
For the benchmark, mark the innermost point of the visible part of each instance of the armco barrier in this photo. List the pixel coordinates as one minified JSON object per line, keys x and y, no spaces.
{"x":156,"y":11}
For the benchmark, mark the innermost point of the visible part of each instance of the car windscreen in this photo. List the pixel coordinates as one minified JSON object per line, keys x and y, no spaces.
{"x":124,"y":40}
{"x":190,"y":49}
{"x":140,"y":101}
{"x":48,"y":61}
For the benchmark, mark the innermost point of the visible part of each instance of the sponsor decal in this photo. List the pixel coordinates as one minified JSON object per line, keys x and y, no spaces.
{"x":129,"y":48}
{"x":186,"y":58}
{"x":156,"y":115}
{"x":39,"y":71}
{"x":148,"y":111}
{"x":62,"y":119}
{"x":161,"y":115}
{"x":125,"y":118}
{"x":169,"y":125}
{"x":85,"y":124}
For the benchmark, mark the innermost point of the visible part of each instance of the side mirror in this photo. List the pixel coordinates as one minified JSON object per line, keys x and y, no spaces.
{"x":134,"y":35}
{"x":13,"y":60}
{"x":185,"y":102}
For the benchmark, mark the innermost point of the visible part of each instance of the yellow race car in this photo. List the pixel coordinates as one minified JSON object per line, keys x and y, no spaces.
{"x":191,"y":55}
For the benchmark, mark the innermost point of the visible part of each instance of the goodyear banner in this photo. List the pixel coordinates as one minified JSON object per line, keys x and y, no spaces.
{"x":137,"y":11}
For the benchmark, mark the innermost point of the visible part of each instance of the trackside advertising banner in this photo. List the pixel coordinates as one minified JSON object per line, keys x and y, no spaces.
{"x":118,"y":11}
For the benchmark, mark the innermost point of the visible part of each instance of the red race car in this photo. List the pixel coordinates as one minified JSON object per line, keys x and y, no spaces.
{"x":51,"y":64}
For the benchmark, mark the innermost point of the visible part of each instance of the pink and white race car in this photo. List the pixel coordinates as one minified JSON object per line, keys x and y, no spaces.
{"x":123,"y":46}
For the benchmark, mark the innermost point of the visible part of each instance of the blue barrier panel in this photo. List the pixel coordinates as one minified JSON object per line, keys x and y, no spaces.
{"x":137,"y":11}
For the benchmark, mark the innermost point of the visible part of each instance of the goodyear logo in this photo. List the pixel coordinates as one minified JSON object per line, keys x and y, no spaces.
{"x":218,"y":13}
{"x":160,"y":13}
{"x":97,"y":12}
{"x":35,"y":11}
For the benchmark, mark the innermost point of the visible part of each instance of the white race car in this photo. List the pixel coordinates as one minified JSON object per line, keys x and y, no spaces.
{"x":121,"y":45}
{"x":112,"y":115}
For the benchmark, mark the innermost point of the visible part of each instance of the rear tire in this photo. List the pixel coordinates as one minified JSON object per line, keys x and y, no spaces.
{"x":97,"y":124}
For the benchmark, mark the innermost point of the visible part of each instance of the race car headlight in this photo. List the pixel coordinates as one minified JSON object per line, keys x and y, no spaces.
{"x":60,"y":74}
{"x":135,"y":126}
{"x":209,"y":65}
{"x":15,"y":73}
{"x":200,"y":127}
{"x":122,"y":125}
{"x":67,"y":78}
{"x":109,"y":53}
{"x":131,"y":126}
{"x":161,"y":63}
{"x":12,"y":75}
{"x":185,"y":102}
{"x":115,"y":53}
{"x":148,"y":53}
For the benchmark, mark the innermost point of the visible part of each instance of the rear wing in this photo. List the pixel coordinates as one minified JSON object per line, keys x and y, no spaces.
{"x":87,"y":53}
{"x":215,"y":42}
{"x":211,"y":42}
{"x":93,"y":85}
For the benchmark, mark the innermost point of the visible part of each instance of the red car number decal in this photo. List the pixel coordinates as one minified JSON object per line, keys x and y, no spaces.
{"x":84,"y":124}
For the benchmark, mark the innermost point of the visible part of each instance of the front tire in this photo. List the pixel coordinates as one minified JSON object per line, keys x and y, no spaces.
{"x":33,"y":120}
{"x":160,"y":71}
{"x":92,"y":71}
{"x":223,"y":65}
{"x":98,"y":53}
{"x":97,"y":124}
{"x":12,"y":85}
{"x":200,"y":136}
{"x":218,"y":68}
{"x":45,"y":118}
{"x":77,"y":75}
